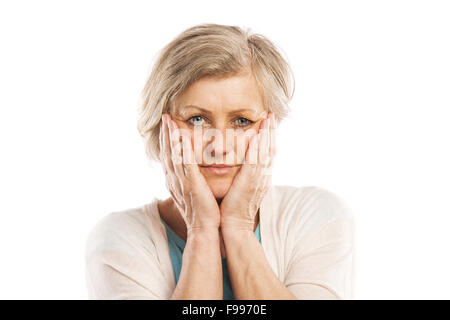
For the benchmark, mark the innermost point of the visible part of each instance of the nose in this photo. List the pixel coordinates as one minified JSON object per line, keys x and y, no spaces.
{"x":219,"y":146}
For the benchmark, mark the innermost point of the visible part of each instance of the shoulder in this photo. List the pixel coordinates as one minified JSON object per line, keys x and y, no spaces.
{"x":318,"y":234}
{"x":121,"y":256}
{"x":311,"y":206}
{"x":122,"y":231}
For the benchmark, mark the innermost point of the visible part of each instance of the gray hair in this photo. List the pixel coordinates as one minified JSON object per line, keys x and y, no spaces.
{"x":212,"y":50}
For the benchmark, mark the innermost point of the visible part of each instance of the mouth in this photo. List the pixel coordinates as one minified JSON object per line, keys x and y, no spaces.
{"x":218,"y":169}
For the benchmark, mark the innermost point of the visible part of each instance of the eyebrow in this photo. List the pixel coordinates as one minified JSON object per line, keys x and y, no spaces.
{"x":209,"y":112}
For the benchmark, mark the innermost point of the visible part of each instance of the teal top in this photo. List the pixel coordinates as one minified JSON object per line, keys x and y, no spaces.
{"x":176,"y":247}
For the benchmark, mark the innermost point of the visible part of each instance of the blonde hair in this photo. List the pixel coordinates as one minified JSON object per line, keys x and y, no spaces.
{"x":212,"y":50}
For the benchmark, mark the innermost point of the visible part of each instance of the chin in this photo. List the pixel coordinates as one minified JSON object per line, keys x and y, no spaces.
{"x":219,"y":190}
{"x":219,"y":184}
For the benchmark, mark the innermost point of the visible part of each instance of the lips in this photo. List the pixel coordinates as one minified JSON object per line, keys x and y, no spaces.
{"x":218,"y":169}
{"x":218,"y":166}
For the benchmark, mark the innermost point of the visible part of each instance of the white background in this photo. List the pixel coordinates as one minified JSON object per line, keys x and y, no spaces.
{"x":370,"y":117}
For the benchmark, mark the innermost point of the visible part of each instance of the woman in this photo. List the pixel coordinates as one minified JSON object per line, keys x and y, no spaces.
{"x":209,"y":114}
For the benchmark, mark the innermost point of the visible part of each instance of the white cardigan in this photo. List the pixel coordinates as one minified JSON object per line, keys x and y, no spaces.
{"x":307,"y":235}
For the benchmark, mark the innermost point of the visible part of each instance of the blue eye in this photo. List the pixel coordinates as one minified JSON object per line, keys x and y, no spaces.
{"x":199,"y":121}
{"x":246,"y":122}
{"x":192,"y":120}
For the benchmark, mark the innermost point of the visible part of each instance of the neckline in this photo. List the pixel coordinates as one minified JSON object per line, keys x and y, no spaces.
{"x":181,"y":243}
{"x":267,"y":228}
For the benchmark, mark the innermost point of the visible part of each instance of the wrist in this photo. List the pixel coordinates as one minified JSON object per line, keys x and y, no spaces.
{"x":203,"y":244}
{"x":232,"y":223}
{"x":237,"y":234}
{"x":203,"y":233}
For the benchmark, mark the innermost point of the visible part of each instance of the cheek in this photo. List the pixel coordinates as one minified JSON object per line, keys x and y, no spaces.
{"x":194,"y":139}
{"x":242,"y":141}
{"x":197,"y":145}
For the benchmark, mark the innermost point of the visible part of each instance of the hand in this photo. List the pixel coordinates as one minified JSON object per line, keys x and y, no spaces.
{"x":241,"y":204}
{"x":185,"y":182}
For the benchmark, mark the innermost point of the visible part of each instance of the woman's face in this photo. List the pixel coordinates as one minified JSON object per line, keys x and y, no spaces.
{"x":219,"y":115}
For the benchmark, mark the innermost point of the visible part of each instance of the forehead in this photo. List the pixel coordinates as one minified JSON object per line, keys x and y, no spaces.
{"x":225,"y":95}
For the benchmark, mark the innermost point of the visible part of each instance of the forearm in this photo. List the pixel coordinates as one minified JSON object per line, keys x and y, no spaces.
{"x":201,"y":271}
{"x":251,"y":276}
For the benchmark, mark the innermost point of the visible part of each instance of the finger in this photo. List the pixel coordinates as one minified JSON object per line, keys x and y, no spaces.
{"x":160,"y":137}
{"x":165,"y":146}
{"x":172,"y":181}
{"x":175,"y":145}
{"x":191,"y":167}
{"x":263,"y":147}
{"x":251,"y":155}
{"x":175,"y":192}
{"x":272,"y":144}
{"x":167,"y":154}
{"x":266,"y":184}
